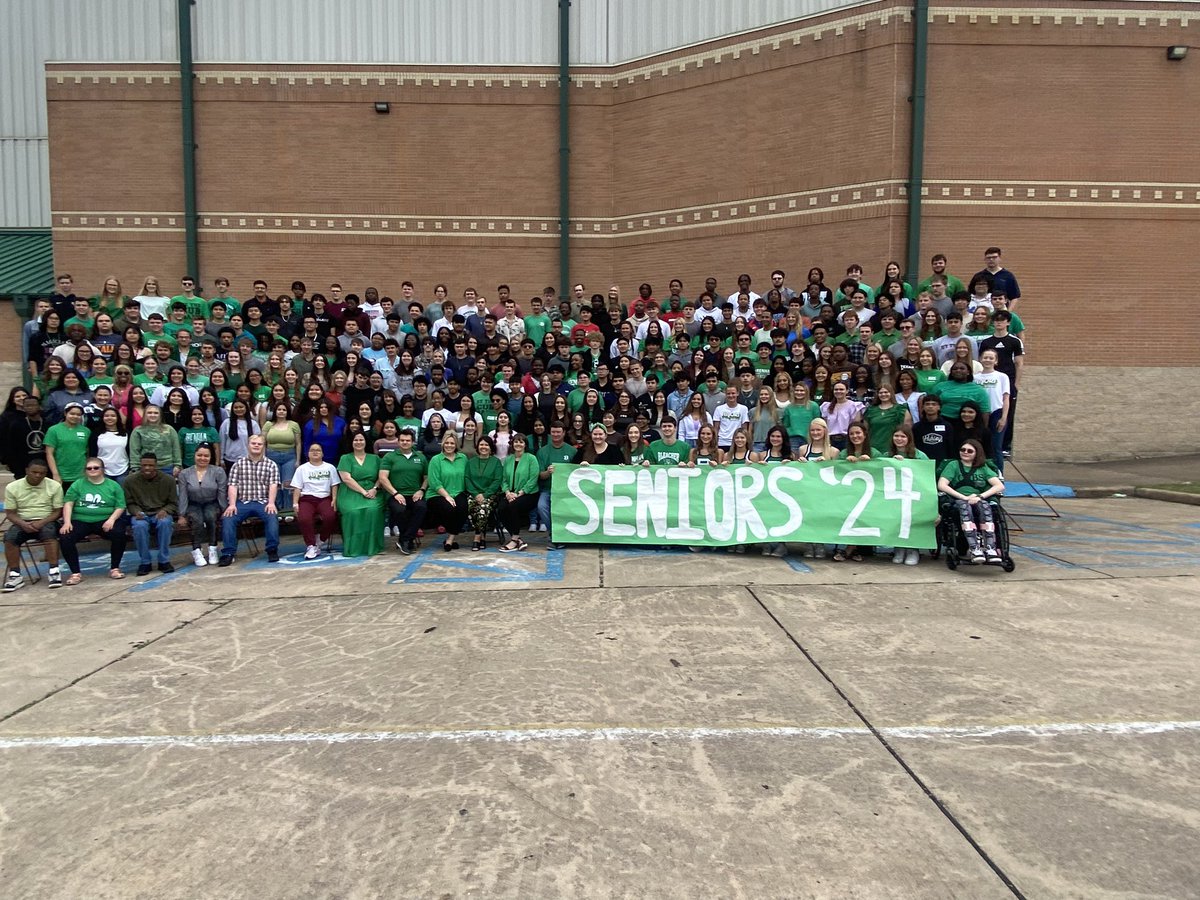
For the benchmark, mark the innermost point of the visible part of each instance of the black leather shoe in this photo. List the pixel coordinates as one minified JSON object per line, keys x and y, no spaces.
{"x":272,"y":556}
{"x":225,"y":562}
{"x":143,"y":570}
{"x":166,"y":567}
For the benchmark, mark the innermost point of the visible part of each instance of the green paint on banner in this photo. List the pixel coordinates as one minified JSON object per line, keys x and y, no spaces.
{"x":886,"y":502}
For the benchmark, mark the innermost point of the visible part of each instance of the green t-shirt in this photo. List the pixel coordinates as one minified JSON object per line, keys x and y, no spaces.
{"x":536,"y":327}
{"x":885,"y":340}
{"x":550,"y":455}
{"x":70,"y":449}
{"x":190,"y":438}
{"x":663,"y":454}
{"x":196,"y":306}
{"x":795,"y":418}
{"x":95,"y":502}
{"x":928,"y":378}
{"x":968,"y":481}
{"x":405,"y":472}
{"x":413,"y":425}
{"x":953,"y":284}
{"x":954,"y":394}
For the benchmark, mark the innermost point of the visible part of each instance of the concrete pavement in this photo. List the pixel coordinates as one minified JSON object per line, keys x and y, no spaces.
{"x":616,"y":722}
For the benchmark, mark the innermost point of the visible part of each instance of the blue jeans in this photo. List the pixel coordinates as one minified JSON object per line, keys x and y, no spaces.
{"x":163,"y":529}
{"x":997,"y":448}
{"x":245,"y":510}
{"x":286,"y":460}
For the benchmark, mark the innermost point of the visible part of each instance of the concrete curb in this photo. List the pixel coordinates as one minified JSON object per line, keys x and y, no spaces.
{"x":1168,"y":496}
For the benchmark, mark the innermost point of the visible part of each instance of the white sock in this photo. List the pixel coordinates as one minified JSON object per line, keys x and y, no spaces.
{"x":53,"y":569}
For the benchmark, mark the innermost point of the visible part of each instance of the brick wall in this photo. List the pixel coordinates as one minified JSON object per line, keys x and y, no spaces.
{"x":1057,"y":136}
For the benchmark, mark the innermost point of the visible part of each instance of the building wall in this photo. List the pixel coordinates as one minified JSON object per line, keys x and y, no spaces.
{"x":1053,"y":133}
{"x":409,"y":32}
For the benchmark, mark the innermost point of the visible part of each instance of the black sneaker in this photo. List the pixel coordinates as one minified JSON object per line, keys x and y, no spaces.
{"x":225,"y":562}
{"x":405,"y":547}
{"x":272,"y":556}
{"x":143,"y":570}
{"x":166,"y":567}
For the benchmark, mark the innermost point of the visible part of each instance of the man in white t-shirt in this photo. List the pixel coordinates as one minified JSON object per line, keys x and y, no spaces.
{"x":314,"y":495}
{"x":729,"y":417}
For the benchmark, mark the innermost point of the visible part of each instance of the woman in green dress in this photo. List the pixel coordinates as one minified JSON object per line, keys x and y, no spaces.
{"x":483,"y":489}
{"x":360,"y":502}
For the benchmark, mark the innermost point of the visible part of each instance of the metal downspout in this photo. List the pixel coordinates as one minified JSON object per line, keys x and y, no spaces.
{"x":916,"y":172}
{"x":188,"y":114}
{"x":564,"y":146}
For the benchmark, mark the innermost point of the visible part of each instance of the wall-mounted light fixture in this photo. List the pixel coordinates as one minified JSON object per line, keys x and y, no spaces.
{"x":382,"y":108}
{"x":1176,"y":52}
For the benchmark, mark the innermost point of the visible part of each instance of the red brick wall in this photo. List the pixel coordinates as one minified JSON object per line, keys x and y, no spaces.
{"x":758,"y":157}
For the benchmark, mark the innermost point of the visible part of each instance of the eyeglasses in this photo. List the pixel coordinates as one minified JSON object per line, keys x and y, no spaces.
{"x":92,"y":468}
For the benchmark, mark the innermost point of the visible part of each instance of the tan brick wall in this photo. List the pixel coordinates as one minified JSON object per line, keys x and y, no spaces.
{"x":1082,"y":414}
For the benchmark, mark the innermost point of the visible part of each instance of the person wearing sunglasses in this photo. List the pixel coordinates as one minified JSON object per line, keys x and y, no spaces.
{"x":93,"y":505}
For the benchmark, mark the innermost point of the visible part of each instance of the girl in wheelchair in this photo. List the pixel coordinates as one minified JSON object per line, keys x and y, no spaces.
{"x":968,"y":483}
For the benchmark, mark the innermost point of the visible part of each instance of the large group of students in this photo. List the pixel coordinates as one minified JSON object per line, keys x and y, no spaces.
{"x":390,"y":418}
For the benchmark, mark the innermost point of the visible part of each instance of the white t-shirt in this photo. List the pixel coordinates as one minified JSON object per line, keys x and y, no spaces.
{"x":996,"y":384}
{"x":113,"y":451}
{"x":150,"y":305}
{"x":729,"y":419}
{"x":316,"y":481}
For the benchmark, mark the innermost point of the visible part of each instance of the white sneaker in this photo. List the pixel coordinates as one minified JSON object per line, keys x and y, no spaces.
{"x":312,"y":552}
{"x":198,"y":557}
{"x":898,"y":556}
{"x":912,"y":557}
{"x":214,"y":556}
{"x":13,"y":582}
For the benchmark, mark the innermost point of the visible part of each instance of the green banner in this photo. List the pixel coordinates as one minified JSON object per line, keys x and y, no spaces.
{"x":886,"y":502}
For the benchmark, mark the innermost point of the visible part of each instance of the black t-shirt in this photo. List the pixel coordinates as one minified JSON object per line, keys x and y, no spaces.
{"x":934,"y":438}
{"x":610,"y":456}
{"x":1007,"y":348}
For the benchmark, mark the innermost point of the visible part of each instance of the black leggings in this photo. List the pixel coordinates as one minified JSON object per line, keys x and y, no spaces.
{"x":514,"y":514}
{"x":80,"y":530}
{"x":450,"y":516}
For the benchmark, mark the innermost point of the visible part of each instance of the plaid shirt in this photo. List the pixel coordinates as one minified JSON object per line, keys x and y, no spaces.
{"x":252,"y":479}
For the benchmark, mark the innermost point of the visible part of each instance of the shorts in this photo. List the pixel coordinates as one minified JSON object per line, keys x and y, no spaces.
{"x":19,"y":536}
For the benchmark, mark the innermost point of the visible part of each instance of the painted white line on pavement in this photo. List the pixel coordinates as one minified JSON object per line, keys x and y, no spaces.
{"x":522,"y":735}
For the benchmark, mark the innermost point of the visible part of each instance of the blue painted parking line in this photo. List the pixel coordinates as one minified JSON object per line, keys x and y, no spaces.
{"x":487,"y":567}
{"x":1035,"y":556}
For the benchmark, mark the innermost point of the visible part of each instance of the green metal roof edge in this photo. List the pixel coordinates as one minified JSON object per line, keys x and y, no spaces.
{"x":26,"y":262}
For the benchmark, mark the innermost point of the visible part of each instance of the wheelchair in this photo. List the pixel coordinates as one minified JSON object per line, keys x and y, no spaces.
{"x":952,"y":540}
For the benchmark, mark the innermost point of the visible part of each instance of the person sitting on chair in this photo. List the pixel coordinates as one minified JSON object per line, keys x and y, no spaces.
{"x":253,"y":483}
{"x":152,"y":503}
{"x":32,"y":505}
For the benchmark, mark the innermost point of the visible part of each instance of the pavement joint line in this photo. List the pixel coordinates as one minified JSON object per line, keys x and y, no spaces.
{"x":58,"y":690}
{"x":895,"y":754}
{"x":528,"y":734}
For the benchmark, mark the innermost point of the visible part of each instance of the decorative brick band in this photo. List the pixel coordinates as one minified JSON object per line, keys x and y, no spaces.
{"x":867,"y":199}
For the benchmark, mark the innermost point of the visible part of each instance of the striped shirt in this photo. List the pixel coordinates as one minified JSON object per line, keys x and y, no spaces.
{"x":252,"y":479}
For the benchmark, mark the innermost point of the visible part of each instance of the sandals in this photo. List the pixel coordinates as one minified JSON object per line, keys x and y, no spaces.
{"x":516,"y":545}
{"x":74,"y":578}
{"x":478,"y":544}
{"x":116,"y":574}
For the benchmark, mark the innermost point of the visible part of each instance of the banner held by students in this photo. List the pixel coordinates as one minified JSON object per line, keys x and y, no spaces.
{"x":886,"y":502}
